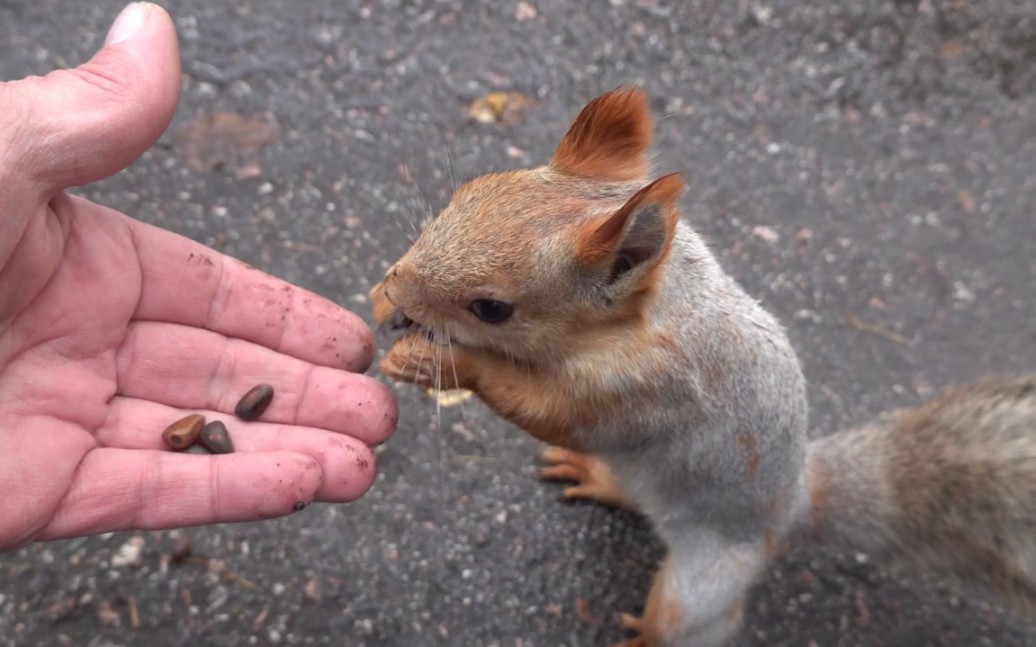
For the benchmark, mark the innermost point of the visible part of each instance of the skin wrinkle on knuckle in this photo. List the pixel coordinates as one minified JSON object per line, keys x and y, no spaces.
{"x":222,"y":291}
{"x":117,"y":75}
{"x":215,"y":509}
{"x":125,"y":356}
{"x":147,"y":506}
{"x":306,"y":389}
{"x":320,"y":480}
{"x":60,"y":511}
{"x":111,"y":424}
{"x":220,"y":397}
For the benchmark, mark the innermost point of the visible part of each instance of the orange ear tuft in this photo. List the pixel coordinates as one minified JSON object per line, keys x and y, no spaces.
{"x":642,"y":228}
{"x":609,"y":138}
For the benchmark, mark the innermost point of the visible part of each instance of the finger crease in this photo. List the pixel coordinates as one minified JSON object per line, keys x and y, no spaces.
{"x":214,"y":506}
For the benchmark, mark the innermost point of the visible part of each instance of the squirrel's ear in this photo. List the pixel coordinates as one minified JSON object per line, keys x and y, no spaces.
{"x":608,"y":139}
{"x":640,"y":232}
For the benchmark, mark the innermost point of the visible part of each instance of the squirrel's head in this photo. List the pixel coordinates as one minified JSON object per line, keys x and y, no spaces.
{"x":526,"y":263}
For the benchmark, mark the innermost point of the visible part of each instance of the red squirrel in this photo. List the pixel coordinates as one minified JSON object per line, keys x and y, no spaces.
{"x":573,"y":300}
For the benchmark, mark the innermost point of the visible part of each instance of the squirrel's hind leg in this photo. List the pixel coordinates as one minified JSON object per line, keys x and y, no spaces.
{"x":594,"y":479}
{"x":697,"y":598}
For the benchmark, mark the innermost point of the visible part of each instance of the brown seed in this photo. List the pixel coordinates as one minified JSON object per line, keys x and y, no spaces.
{"x":216,"y":439}
{"x":181,"y":434}
{"x":253,"y":403}
{"x":183,"y":549}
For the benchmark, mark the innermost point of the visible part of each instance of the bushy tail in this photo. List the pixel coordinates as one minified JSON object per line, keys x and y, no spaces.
{"x":948,"y":487}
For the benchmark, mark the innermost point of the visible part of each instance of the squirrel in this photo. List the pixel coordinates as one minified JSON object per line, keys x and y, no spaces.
{"x":573,"y":300}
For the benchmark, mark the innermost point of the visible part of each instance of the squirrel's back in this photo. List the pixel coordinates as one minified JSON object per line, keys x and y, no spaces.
{"x":948,"y":487}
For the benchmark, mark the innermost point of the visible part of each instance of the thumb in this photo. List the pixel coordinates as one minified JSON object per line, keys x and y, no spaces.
{"x":77,"y":126}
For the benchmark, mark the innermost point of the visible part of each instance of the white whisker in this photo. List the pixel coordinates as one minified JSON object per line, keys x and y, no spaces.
{"x":438,"y":332}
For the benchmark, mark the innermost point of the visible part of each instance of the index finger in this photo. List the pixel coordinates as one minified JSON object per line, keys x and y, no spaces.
{"x":188,"y":283}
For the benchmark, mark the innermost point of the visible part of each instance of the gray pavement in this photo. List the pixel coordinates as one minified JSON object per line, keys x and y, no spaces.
{"x":866,"y":169}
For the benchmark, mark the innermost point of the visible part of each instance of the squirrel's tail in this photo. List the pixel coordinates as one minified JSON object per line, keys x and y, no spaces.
{"x":948,"y":487}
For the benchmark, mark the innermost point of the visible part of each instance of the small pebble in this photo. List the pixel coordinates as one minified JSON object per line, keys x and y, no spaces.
{"x":253,"y":403}
{"x":181,"y":434}
{"x":216,"y":439}
{"x":197,"y":448}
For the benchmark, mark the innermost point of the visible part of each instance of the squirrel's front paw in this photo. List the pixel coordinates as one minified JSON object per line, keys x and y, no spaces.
{"x":594,"y":479}
{"x":417,"y":359}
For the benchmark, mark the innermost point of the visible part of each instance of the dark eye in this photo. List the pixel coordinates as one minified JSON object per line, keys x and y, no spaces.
{"x":491,"y":311}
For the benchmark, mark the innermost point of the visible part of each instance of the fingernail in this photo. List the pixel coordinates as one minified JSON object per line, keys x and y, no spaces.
{"x":128,"y":23}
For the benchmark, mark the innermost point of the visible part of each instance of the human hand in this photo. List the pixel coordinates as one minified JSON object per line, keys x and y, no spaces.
{"x":110,"y":329}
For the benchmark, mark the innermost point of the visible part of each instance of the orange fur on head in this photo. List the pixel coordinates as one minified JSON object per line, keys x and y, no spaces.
{"x":608,"y":139}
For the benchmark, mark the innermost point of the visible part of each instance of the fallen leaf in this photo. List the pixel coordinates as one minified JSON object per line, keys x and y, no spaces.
{"x":767,"y":233}
{"x":105,"y":614}
{"x":525,"y":11}
{"x":312,"y":590}
{"x":227,"y":140}
{"x":500,"y":107}
{"x":966,"y":200}
{"x":951,"y":49}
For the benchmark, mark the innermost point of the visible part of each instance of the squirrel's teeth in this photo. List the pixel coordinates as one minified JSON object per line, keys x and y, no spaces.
{"x":400,"y":321}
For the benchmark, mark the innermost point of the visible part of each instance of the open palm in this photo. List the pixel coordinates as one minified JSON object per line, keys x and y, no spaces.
{"x":110,"y":329}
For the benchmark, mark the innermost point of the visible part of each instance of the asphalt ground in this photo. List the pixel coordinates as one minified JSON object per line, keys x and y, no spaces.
{"x":865,"y":169}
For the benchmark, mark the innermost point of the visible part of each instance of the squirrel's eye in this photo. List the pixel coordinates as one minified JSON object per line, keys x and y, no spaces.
{"x":491,"y":311}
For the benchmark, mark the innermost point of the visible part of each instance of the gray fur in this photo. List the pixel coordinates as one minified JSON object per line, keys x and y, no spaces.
{"x":714,"y":450}
{"x":947,"y":488}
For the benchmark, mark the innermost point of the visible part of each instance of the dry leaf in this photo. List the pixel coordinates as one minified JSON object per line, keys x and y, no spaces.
{"x":525,"y":11}
{"x":767,"y":233}
{"x":500,"y":107}
{"x":951,"y":49}
{"x":966,"y":200}
{"x":227,"y":140}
